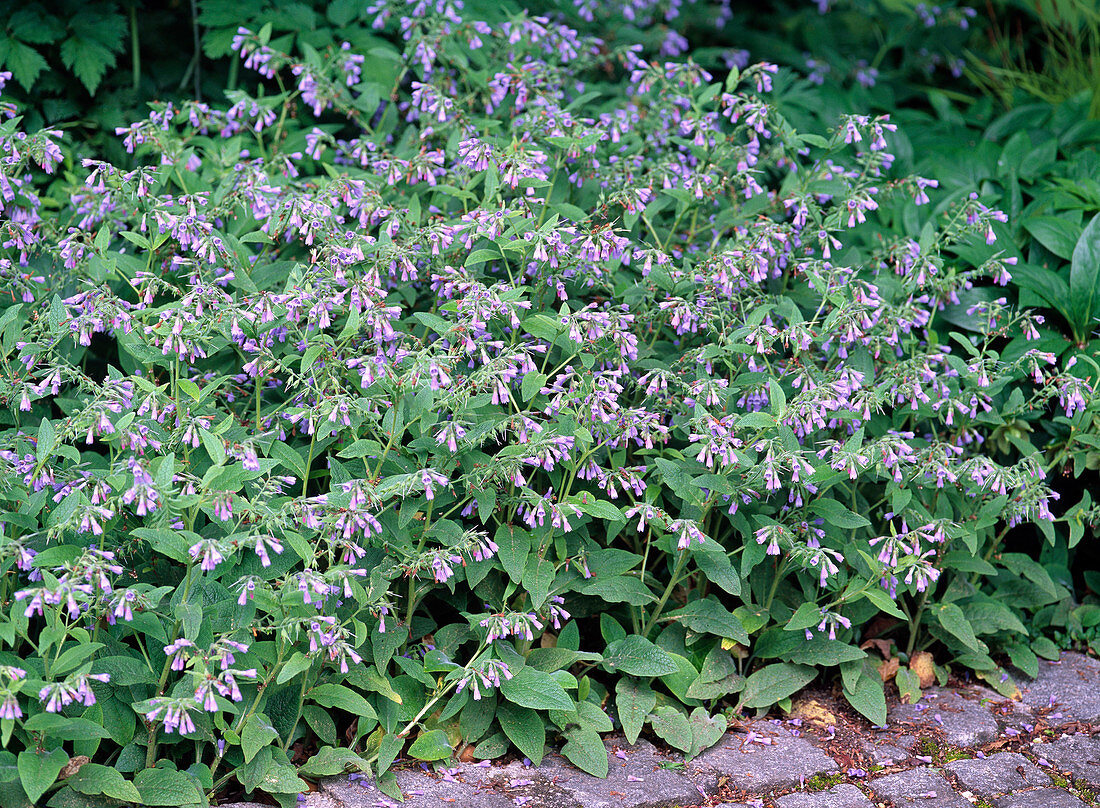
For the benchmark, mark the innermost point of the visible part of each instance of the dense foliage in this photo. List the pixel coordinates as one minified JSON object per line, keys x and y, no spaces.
{"x":455,"y":387}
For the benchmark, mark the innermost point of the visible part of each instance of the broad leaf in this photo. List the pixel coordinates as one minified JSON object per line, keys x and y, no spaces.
{"x":638,"y":656}
{"x":1084,"y":280}
{"x":94,"y":779}
{"x":431,"y":745}
{"x":672,"y":727}
{"x":536,"y":689}
{"x":775,"y":682}
{"x":584,"y":749}
{"x":37,"y":771}
{"x":634,"y":701}
{"x":525,"y":728}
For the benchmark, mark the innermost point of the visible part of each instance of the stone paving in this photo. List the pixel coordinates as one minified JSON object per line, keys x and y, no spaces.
{"x":956,"y":748}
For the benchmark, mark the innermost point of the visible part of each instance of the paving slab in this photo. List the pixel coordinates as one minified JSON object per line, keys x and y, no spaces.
{"x":1040,"y":798}
{"x":1071,"y":685}
{"x":1077,"y":754}
{"x":524,"y":785}
{"x":420,"y":790}
{"x":767,"y":757}
{"x":638,"y":781}
{"x":921,"y":788}
{"x":842,"y":796}
{"x":960,"y":715}
{"x":887,"y":752}
{"x":997,"y":774}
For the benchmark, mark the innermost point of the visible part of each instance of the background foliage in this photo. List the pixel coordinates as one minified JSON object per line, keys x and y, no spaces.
{"x":406,"y":381}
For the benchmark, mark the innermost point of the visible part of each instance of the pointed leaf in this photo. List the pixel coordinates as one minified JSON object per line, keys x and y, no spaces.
{"x":634,"y":701}
{"x":37,"y":771}
{"x":585,"y":750}
{"x":672,"y":727}
{"x":638,"y":656}
{"x":775,"y":682}
{"x":525,"y":728}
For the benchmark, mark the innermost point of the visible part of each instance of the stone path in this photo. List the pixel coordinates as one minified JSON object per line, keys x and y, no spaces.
{"x":956,"y":748}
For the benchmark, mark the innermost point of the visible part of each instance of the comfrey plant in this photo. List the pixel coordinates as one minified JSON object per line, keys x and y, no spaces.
{"x":555,"y":391}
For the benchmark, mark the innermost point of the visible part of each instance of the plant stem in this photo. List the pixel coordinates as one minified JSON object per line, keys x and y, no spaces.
{"x":681,"y":561}
{"x":135,"y":50}
{"x":309,"y":461}
{"x":198,"y":51}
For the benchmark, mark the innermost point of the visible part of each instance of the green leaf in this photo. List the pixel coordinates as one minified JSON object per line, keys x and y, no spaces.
{"x":869,"y":696}
{"x":679,"y":683}
{"x":492,"y":747}
{"x":1024,"y":659}
{"x":715,"y":689}
{"x":388,"y":750}
{"x":592,"y":716}
{"x":297,"y":663}
{"x":619,"y":589}
{"x":884,"y":603}
{"x":24,"y":62}
{"x":908,"y":684}
{"x":954,"y":622}
{"x":712,"y":561}
{"x":836,"y":514}
{"x":708,"y":616}
{"x":525,"y":728}
{"x":532,"y":383}
{"x":538,"y":575}
{"x":1084,"y":279}
{"x":331,"y":695}
{"x":1054,"y":232}
{"x":638,"y":656}
{"x":515,"y":546}
{"x":94,"y":779}
{"x":634,"y":701}
{"x":63,"y":728}
{"x":87,"y":59}
{"x":37,"y":771}
{"x":585,"y":750}
{"x":290,"y":458}
{"x":990,"y":617}
{"x":775,"y":682}
{"x":431,"y":745}
{"x":330,"y":761}
{"x":215,"y":446}
{"x":256,"y":734}
{"x":46,"y":440}
{"x":672,"y":727}
{"x":706,"y":730}
{"x":167,"y":787}
{"x":1046,"y":648}
{"x":73,"y":657}
{"x":537,"y":690}
{"x":823,"y":651}
{"x":1046,"y":283}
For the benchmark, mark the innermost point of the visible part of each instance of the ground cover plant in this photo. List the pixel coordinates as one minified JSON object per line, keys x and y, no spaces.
{"x":482,"y":387}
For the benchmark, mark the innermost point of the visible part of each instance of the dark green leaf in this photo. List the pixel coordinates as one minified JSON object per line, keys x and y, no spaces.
{"x":536,"y":689}
{"x":775,"y":682}
{"x":92,"y":778}
{"x":431,"y":745}
{"x":585,"y":750}
{"x":634,"y":701}
{"x":638,"y":656}
{"x":525,"y":728}
{"x":836,"y":514}
{"x":37,"y":771}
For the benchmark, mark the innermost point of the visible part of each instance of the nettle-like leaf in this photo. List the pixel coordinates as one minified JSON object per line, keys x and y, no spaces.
{"x":24,"y":62}
{"x":88,"y":59}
